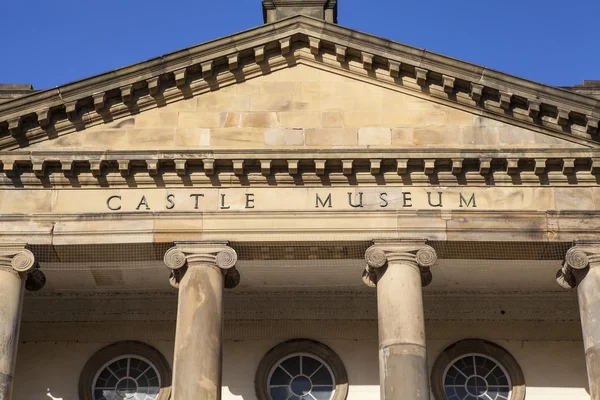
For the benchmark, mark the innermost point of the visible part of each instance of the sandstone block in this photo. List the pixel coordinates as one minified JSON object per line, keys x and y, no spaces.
{"x":374,"y":136}
{"x":416,"y":104}
{"x":284,"y":137}
{"x":259,"y":120}
{"x":113,"y":138}
{"x":72,"y":140}
{"x":332,"y":119}
{"x":363,"y":102}
{"x":478,"y":136}
{"x":236,"y":137}
{"x":306,"y":102}
{"x":362,"y":118}
{"x":199,"y":119}
{"x":247,"y":87}
{"x":155,"y":138}
{"x":436,"y":136}
{"x":402,"y":137}
{"x":457,"y":117}
{"x":192,"y":137}
{"x":269,"y":88}
{"x":331,"y":102}
{"x":574,"y":199}
{"x":157,"y":119}
{"x":299,"y":73}
{"x":315,"y":88}
{"x":231,"y":120}
{"x":263,"y":102}
{"x":182,"y":105}
{"x":484,"y":121}
{"x":220,"y":102}
{"x":331,"y":137}
{"x":26,"y":201}
{"x":425,"y":118}
{"x":298,"y":119}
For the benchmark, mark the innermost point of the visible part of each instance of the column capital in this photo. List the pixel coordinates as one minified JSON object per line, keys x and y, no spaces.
{"x":212,"y":254}
{"x":16,"y":257}
{"x":399,"y":251}
{"x":583,"y":254}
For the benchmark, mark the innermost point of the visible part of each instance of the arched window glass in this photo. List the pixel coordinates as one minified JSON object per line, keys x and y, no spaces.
{"x":476,"y":376}
{"x":301,"y":377}
{"x":301,"y":369}
{"x":127,"y":377}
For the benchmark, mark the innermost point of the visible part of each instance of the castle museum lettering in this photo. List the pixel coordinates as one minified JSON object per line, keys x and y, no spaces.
{"x":248,"y":201}
{"x":300,"y":211}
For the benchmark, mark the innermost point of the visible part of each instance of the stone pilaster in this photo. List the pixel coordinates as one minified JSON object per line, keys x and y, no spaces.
{"x":15,"y":263}
{"x":581,"y":269}
{"x":200,"y":271}
{"x":398,"y":268}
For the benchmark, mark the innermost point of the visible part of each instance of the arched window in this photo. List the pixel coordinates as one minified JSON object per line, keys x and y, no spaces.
{"x":301,"y":370}
{"x":477,"y":370}
{"x":126,"y":370}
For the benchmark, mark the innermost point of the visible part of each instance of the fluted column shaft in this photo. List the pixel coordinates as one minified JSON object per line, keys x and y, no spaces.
{"x":582,"y":269}
{"x":15,"y":261}
{"x":199,"y":274}
{"x":398,"y":267}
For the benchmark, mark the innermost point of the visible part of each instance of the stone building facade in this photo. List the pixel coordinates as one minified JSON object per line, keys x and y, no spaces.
{"x":300,"y":211}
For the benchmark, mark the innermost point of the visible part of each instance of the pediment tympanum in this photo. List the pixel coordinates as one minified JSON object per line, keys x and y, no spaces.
{"x":306,"y":107}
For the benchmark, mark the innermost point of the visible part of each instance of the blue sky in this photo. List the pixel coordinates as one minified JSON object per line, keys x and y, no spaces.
{"x":52,"y":42}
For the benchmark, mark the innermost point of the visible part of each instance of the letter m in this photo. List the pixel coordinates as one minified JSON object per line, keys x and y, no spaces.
{"x":464,"y":201}
{"x":323,"y":203}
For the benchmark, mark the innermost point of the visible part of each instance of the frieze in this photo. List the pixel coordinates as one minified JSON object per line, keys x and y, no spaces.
{"x":291,"y":199}
{"x":242,"y":199}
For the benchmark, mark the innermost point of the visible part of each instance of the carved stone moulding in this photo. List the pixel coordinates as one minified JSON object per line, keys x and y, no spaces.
{"x":582,"y":255}
{"x":130,"y":164}
{"x":393,"y":252}
{"x":19,"y":260}
{"x":215,"y":254}
{"x":170,"y":78}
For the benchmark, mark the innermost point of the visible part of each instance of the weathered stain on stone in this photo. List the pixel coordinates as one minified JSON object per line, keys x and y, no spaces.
{"x":197,"y":361}
{"x":5,"y":386}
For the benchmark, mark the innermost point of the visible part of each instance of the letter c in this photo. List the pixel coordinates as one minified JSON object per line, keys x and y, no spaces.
{"x":109,"y":206}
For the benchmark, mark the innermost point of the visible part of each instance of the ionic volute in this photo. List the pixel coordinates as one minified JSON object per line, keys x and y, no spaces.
{"x":578,"y":259}
{"x":208,"y":254}
{"x":384,"y":254}
{"x":17,"y":259}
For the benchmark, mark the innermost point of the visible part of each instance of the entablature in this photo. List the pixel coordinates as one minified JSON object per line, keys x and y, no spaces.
{"x":294,"y":167}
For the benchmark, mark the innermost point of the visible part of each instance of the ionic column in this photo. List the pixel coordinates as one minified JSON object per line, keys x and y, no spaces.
{"x":200,"y":270}
{"x":399,"y":268}
{"x":15,"y":262}
{"x":581,"y":269}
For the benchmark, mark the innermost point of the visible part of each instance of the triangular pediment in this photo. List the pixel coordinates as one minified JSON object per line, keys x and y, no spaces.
{"x":307,"y":106}
{"x":297,"y":82}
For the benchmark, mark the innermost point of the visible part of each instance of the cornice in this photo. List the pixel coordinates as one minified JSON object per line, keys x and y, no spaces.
{"x":251,"y":53}
{"x":477,"y":167}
